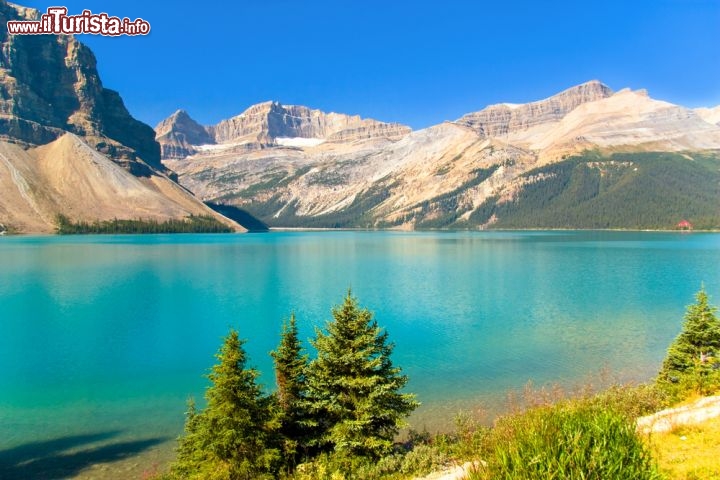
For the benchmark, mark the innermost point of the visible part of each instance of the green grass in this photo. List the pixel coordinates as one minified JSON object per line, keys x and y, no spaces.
{"x":571,"y":440}
{"x":547,"y":434}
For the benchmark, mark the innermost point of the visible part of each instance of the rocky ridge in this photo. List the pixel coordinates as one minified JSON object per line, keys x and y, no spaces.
{"x":471,"y":173}
{"x":505,"y":119}
{"x":261,"y":125}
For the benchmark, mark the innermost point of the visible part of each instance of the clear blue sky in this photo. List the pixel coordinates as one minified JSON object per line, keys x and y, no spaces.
{"x":417,"y":63}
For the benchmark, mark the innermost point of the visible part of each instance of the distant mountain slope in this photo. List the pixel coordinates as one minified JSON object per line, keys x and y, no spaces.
{"x":622,"y":190}
{"x":69,"y":177}
{"x":521,"y":166}
{"x":69,"y":146}
{"x":710,"y":115}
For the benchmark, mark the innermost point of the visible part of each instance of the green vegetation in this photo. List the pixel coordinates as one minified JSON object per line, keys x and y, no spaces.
{"x":269,"y":181}
{"x":581,"y":438}
{"x":553,"y":434}
{"x":357,"y":214}
{"x":346,"y":401}
{"x":231,"y":437}
{"x":6,"y":229}
{"x":190,"y":224}
{"x":691,"y":369}
{"x":652,"y":190}
{"x":328,"y":178}
{"x":291,"y":380}
{"x":629,"y":190}
{"x":444,"y":210}
{"x":692,"y":365}
{"x":336,"y":417}
{"x":353,"y":387}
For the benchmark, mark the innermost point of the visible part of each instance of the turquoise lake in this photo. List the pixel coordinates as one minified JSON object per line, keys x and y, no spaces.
{"x":103,"y":338}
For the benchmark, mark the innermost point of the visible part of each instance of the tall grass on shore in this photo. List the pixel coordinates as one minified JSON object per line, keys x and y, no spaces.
{"x":548,"y":433}
{"x":589,"y":438}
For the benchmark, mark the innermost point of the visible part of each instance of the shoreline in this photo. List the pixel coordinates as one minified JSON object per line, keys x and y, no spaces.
{"x":8,"y":234}
{"x":473,"y":230}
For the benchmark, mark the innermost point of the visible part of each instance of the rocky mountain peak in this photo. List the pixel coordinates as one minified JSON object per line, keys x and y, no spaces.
{"x":270,"y":120}
{"x":178,"y":133}
{"x":49,"y":85}
{"x":504,"y":119}
{"x":262,"y":124}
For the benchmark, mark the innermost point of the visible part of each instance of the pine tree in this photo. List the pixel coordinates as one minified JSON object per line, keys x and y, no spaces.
{"x":693,"y":358}
{"x":290,"y":376}
{"x":230,"y":438}
{"x":353,"y":387}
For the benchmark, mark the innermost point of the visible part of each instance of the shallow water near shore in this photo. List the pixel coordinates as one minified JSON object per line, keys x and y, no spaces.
{"x":103,"y":338}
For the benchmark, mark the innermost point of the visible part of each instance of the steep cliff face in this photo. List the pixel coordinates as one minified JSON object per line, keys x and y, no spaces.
{"x":266,"y":125}
{"x":69,"y":146}
{"x":506,"y":119}
{"x":49,"y":85}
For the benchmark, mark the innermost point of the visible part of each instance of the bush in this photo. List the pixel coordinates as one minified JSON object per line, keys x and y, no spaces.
{"x":576,"y":439}
{"x":420,"y":460}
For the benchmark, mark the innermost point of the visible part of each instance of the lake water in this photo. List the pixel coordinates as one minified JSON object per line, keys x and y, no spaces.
{"x":103,"y":338}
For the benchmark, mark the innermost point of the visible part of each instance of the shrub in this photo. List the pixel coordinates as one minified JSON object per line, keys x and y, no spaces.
{"x":419,"y":461}
{"x":576,"y":439}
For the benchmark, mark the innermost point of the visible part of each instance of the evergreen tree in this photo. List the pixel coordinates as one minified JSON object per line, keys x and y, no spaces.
{"x":189,"y":453}
{"x":353,"y":387}
{"x":694,"y":357}
{"x":290,"y":370}
{"x":229,"y":439}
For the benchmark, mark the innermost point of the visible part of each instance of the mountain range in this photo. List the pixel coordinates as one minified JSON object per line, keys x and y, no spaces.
{"x":587,"y":157}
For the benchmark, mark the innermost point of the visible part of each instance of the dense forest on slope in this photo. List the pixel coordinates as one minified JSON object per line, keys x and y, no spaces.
{"x":638,"y":190}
